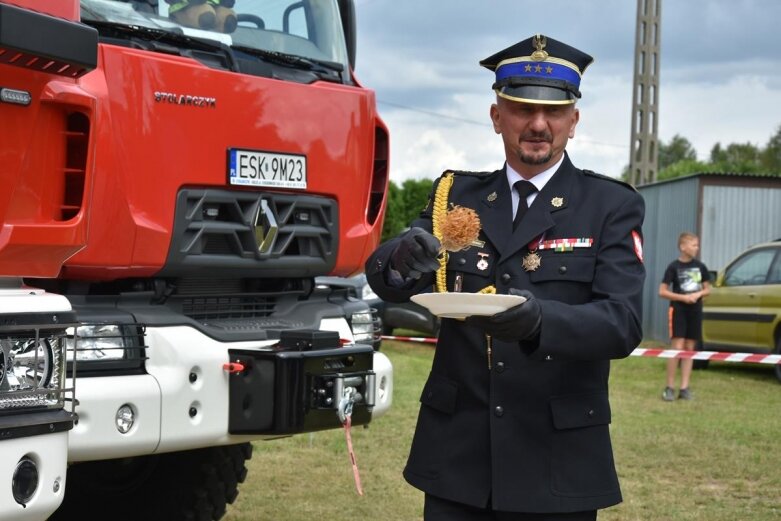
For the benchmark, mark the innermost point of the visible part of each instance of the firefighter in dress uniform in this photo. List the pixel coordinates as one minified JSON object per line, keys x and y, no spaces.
{"x":514,"y":417}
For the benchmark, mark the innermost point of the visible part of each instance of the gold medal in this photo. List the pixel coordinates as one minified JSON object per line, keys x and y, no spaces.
{"x":532,"y":261}
{"x":491,"y":197}
{"x":557,"y":202}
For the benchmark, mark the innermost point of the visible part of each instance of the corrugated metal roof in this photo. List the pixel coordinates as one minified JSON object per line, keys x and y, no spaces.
{"x":773,"y":177}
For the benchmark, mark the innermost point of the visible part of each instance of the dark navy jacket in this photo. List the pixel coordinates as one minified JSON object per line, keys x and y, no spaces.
{"x":532,"y":432}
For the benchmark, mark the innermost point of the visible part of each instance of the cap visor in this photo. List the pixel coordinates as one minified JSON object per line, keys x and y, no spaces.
{"x":537,"y":94}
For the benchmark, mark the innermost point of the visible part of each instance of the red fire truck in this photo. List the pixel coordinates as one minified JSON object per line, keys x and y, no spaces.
{"x":212,"y":170}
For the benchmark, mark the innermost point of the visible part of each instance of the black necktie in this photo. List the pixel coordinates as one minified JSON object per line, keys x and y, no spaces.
{"x":524,"y":189}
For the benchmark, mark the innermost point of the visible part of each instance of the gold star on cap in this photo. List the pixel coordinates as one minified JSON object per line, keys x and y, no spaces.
{"x":528,"y":68}
{"x":557,"y":202}
{"x":538,"y":68}
{"x":549,"y":69}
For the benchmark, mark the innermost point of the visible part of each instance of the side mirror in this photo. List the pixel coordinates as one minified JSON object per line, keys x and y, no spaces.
{"x":347,"y":13}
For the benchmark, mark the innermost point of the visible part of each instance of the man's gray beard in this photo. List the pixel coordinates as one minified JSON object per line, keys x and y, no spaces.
{"x":532,"y":160}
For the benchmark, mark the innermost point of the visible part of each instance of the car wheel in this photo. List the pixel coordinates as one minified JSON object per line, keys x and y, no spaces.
{"x":777,"y":351}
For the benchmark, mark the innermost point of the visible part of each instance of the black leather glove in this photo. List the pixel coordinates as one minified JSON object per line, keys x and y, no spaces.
{"x":521,"y":322}
{"x":416,"y":254}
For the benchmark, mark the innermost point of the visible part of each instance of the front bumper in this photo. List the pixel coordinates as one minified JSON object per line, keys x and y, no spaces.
{"x":49,"y":452}
{"x":183,"y":402}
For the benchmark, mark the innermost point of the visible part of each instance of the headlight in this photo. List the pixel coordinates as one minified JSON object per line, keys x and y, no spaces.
{"x":98,"y":348}
{"x":363,"y":328}
{"x":32,"y":371}
{"x":97,"y":342}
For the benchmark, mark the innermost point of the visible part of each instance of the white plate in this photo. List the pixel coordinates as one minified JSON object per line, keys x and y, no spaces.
{"x":257,"y":168}
{"x":462,"y":305}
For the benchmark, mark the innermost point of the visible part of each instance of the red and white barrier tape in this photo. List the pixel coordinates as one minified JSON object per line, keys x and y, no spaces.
{"x":410,"y":339}
{"x":752,"y":358}
{"x":745,"y":358}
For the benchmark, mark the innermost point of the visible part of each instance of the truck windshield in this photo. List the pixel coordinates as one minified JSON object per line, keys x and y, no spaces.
{"x":309,"y":29}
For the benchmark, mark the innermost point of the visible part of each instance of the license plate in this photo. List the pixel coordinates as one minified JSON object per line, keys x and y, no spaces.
{"x":268,"y":169}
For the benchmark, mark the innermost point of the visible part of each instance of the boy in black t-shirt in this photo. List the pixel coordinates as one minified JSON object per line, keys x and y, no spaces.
{"x":690,"y":281}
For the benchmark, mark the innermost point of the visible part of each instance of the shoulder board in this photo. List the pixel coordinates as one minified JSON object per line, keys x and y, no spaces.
{"x":591,"y":173}
{"x":467,"y":173}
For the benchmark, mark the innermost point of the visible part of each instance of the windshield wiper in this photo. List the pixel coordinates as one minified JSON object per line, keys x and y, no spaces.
{"x":182,"y":44}
{"x":293,"y":60}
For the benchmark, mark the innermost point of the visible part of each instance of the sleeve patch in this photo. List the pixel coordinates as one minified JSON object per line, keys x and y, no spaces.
{"x":638,"y":243}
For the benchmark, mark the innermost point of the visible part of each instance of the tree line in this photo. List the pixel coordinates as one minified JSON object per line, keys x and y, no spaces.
{"x":405,"y":203}
{"x":677,"y":158}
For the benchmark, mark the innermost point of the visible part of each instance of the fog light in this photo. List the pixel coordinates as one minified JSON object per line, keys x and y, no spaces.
{"x":25,"y":480}
{"x":125,"y":419}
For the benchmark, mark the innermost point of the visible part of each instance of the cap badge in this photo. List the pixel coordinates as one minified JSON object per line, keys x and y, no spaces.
{"x":557,"y":202}
{"x":539,"y":45}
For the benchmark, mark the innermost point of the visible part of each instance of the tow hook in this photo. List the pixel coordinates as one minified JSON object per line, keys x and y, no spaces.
{"x":234,"y":367}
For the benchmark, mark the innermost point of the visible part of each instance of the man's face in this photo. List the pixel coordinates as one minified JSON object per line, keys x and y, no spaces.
{"x":534,"y":135}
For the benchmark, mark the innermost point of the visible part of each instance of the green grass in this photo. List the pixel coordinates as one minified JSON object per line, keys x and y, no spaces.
{"x":715,"y":458}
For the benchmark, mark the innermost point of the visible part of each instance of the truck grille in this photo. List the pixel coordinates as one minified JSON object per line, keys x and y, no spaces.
{"x":215,"y":308}
{"x":252,"y":234}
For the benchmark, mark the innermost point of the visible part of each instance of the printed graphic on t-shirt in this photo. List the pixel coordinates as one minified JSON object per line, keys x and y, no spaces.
{"x":690,"y":279}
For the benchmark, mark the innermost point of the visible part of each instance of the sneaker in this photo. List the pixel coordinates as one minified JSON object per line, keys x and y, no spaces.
{"x":668,"y":394}
{"x":685,"y":394}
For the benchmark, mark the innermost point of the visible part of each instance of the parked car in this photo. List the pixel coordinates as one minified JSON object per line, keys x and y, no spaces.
{"x":743,"y":311}
{"x":406,"y":315}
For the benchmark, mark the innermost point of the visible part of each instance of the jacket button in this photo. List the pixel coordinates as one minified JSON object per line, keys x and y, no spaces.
{"x":591,"y":412}
{"x":562,"y":269}
{"x":430,"y":394}
{"x":499,"y":411}
{"x":499,"y":367}
{"x":506,"y":278}
{"x":461,"y":261}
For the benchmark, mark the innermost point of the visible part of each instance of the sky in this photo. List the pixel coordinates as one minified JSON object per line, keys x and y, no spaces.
{"x":720,"y":77}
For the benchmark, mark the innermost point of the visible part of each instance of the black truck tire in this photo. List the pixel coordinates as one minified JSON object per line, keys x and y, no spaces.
{"x":193,"y":485}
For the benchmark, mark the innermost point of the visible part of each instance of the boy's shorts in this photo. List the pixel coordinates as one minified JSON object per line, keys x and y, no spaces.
{"x":685,"y":322}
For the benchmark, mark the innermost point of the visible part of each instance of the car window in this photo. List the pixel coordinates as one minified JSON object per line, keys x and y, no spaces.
{"x":751,"y":269}
{"x":774,"y":277}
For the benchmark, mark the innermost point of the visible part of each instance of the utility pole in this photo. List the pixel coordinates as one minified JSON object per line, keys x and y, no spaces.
{"x":644,"y":150}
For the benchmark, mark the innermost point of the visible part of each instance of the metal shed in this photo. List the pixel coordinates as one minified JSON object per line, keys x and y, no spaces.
{"x":729,"y":212}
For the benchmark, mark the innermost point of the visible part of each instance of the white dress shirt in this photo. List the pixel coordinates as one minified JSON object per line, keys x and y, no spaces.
{"x":538,"y":181}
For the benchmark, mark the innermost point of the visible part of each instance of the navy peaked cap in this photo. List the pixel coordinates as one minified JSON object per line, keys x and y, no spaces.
{"x":538,"y":70}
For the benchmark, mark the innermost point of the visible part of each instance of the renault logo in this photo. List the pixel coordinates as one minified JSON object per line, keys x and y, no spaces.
{"x":265,"y":227}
